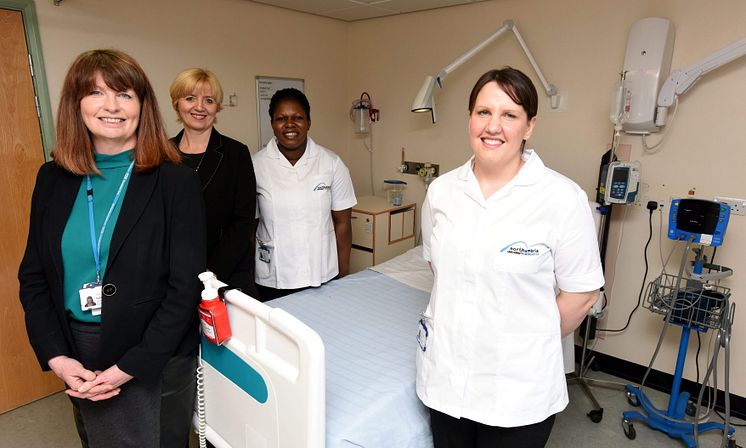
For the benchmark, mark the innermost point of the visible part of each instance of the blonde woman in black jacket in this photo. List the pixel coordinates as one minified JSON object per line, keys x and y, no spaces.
{"x":226,"y":173}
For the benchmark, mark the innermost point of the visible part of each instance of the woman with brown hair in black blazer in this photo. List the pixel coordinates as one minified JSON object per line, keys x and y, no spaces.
{"x":114,"y":217}
{"x":226,"y":173}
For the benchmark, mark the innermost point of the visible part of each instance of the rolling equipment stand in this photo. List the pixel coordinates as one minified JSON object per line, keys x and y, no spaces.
{"x":597,"y":413}
{"x":693,"y":305}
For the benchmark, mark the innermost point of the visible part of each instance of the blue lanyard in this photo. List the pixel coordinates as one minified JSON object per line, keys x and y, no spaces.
{"x":96,"y":246}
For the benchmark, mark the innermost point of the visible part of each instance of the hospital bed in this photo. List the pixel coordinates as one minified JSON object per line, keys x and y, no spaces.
{"x":326,"y":367}
{"x":332,"y":366}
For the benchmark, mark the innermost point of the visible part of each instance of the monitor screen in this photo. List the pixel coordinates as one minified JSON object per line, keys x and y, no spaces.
{"x":698,"y":216}
{"x":620,"y":174}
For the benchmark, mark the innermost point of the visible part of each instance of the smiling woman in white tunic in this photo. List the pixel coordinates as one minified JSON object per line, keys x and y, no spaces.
{"x":305,"y":198}
{"x":513,"y":249}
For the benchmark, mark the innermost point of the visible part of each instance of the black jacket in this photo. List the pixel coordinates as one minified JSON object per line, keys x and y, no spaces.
{"x":151,"y":290}
{"x":229,"y":187}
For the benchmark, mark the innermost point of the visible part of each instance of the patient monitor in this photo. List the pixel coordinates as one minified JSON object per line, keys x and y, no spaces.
{"x":698,"y":221}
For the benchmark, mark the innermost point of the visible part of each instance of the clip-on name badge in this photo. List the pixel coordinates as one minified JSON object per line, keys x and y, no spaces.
{"x":265,"y":252}
{"x":90,"y":297}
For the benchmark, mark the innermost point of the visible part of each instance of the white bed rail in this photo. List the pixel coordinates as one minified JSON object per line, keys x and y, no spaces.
{"x":264,"y":388}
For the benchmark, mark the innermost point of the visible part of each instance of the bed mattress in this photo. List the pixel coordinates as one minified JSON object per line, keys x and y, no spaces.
{"x":367,"y":322}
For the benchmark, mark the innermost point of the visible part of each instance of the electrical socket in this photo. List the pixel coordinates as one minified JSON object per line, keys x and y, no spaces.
{"x":642,"y":202}
{"x":737,"y":206}
{"x":644,"y":195}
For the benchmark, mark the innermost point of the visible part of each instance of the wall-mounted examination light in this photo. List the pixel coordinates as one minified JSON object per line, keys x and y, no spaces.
{"x":425,"y":102}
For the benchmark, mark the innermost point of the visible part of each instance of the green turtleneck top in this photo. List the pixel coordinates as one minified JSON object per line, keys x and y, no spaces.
{"x":77,"y":254}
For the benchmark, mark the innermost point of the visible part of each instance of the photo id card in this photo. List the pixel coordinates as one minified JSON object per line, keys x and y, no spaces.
{"x":265,"y":252}
{"x":90,"y":298}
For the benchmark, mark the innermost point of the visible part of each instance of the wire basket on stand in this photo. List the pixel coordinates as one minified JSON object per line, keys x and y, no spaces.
{"x":698,"y":305}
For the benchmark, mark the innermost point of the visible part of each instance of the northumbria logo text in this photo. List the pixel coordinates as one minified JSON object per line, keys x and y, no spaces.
{"x":522,"y":251}
{"x":520,"y":248}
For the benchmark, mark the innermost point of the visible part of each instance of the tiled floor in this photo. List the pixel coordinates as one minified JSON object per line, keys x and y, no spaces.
{"x":49,"y":423}
{"x":573,"y":428}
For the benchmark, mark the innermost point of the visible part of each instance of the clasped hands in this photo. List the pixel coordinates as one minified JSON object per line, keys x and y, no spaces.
{"x":87,"y":384}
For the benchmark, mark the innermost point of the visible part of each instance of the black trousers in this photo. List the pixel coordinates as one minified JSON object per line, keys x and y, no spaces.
{"x":450,"y":432}
{"x":143,"y":414}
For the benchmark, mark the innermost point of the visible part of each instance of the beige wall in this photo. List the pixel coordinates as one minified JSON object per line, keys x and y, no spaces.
{"x":580,"y":45}
{"x":237,"y":39}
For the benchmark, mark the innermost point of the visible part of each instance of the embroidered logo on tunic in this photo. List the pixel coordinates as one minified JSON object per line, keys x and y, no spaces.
{"x":322,"y":186}
{"x":521,"y":248}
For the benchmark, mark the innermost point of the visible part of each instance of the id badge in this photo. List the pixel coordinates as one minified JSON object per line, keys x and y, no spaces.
{"x":90,"y":297}
{"x":424,"y":328}
{"x":265,"y":253}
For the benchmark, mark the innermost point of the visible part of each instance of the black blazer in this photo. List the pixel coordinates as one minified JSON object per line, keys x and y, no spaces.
{"x":151,"y":289}
{"x":229,"y":187}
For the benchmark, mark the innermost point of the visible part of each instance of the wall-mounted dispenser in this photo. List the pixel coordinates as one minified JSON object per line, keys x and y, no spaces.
{"x":363,"y":113}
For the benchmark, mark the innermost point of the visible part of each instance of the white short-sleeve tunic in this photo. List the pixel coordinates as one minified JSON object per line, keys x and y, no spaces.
{"x":295,"y":240}
{"x":489,"y":345}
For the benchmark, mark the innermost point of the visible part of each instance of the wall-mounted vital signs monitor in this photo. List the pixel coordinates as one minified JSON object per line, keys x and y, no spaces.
{"x":698,"y":220}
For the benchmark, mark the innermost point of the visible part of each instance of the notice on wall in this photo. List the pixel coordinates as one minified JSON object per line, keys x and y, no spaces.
{"x":266,"y":86}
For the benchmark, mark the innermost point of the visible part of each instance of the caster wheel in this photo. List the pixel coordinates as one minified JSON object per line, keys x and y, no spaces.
{"x":632,"y":399}
{"x":691,"y":409}
{"x":596,"y":415}
{"x":595,"y":365}
{"x":629,"y":429}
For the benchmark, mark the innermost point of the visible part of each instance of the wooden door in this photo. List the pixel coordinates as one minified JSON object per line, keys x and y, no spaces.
{"x":21,"y":153}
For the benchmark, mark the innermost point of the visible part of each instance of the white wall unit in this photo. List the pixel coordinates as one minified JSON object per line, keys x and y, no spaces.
{"x":380,"y":231}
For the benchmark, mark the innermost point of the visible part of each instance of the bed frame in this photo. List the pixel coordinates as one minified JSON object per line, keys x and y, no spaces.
{"x":265,"y":387}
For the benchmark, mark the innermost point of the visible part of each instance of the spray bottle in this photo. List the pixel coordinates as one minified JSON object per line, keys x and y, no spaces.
{"x":213,"y":314}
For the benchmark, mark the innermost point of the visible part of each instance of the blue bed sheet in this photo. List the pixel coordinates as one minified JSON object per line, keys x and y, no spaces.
{"x":368,"y":323}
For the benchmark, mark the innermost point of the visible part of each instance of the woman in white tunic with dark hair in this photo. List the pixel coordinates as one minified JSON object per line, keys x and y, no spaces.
{"x":513,"y":250}
{"x":305,"y":198}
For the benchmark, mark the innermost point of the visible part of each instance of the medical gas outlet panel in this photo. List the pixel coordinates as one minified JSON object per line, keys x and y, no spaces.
{"x":380,"y":231}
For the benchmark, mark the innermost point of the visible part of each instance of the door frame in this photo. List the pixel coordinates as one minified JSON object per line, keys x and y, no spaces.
{"x":41,"y":89}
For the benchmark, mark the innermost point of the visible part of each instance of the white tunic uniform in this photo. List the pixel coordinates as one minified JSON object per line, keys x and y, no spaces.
{"x":296,"y":243}
{"x":490,"y":348}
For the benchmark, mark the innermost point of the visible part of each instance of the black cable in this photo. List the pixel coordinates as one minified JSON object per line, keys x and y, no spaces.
{"x":740,"y":425}
{"x":611,"y":150}
{"x":714,"y":251}
{"x":696,"y":363}
{"x":652,"y":205}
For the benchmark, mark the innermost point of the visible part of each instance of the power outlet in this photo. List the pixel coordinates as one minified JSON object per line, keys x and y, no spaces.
{"x":737,"y":206}
{"x":661,"y":204}
{"x":642,"y":202}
